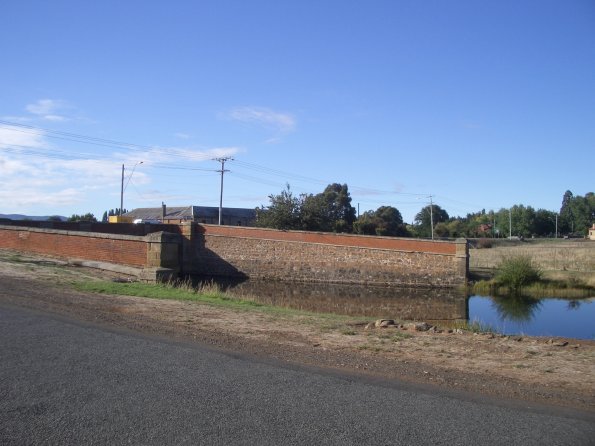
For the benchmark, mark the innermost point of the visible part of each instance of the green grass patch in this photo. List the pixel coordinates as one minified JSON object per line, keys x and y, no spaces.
{"x":474,"y":326}
{"x":174,"y":291}
{"x":574,"y":289}
{"x":211,"y":294}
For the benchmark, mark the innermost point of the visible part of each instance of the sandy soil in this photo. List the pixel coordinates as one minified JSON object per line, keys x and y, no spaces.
{"x":542,"y":370}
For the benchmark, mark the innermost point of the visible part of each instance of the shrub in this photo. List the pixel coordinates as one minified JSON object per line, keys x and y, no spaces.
{"x":516,"y":272}
{"x":484,"y":243}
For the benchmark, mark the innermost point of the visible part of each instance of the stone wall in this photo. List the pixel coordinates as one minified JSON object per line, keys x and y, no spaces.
{"x":256,"y":253}
{"x":552,"y":256}
{"x":323,"y":257}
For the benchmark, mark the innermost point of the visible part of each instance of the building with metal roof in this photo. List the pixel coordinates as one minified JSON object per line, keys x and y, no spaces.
{"x":198,"y":214}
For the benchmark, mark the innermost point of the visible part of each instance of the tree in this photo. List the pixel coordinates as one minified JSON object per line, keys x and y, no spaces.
{"x":329,"y":211}
{"x":389,"y":221}
{"x":441,"y":229}
{"x":566,"y":214}
{"x":523,"y":219}
{"x":545,"y":223}
{"x":455,"y":227}
{"x":282,"y":213}
{"x":366,"y":223}
{"x":386,"y":220}
{"x":424,"y":217}
{"x":88,"y":217}
{"x":577,"y":213}
{"x":314,"y":213}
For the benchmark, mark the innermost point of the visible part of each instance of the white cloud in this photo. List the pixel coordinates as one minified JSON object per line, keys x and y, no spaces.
{"x":48,"y":109}
{"x":19,"y":136}
{"x":280,"y":122}
{"x":37,"y":177}
{"x":35,"y":197}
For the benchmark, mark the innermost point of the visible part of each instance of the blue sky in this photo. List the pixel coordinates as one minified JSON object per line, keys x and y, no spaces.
{"x":481,"y":104}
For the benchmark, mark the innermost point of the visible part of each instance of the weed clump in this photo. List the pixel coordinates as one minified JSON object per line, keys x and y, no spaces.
{"x":516,"y":272}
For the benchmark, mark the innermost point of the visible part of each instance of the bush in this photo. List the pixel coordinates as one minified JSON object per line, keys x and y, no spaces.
{"x":484,"y":243}
{"x":516,"y":272}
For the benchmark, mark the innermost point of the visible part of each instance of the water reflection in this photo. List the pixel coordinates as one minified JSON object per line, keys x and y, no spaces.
{"x":510,"y":315}
{"x":516,"y":307}
{"x":537,"y":317}
{"x":574,"y":304}
{"x":352,"y":300}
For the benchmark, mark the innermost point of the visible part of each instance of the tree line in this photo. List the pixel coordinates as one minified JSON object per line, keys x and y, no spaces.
{"x":332,"y":211}
{"x":89,"y":217}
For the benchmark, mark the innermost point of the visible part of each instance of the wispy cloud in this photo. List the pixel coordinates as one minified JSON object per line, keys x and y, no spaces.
{"x":18,"y":136}
{"x":49,"y":109}
{"x":36,"y":175}
{"x":264,"y":117}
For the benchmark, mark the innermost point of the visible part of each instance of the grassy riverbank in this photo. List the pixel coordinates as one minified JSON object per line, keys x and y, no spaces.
{"x":561,"y":284}
{"x":211,"y":295}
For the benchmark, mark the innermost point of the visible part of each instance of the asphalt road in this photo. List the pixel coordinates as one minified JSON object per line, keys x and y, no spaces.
{"x":68,"y":382}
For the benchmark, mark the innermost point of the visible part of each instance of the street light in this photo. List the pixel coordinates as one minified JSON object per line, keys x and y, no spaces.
{"x":122,"y":186}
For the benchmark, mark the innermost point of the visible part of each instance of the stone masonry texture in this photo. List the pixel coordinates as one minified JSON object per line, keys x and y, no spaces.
{"x":257,"y":253}
{"x":314,"y":257}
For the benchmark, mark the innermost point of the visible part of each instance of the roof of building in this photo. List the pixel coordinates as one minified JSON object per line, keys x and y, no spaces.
{"x":188,"y":213}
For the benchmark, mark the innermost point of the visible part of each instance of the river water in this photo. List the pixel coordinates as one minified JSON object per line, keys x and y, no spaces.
{"x":534,"y":317}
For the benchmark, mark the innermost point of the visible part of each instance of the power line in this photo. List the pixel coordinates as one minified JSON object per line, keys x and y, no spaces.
{"x":84,"y":139}
{"x":73,"y":137}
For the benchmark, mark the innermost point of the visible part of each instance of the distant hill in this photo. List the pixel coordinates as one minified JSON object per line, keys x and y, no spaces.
{"x":31,"y":217}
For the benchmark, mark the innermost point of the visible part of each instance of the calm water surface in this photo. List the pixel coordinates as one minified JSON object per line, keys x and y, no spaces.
{"x":535,"y":317}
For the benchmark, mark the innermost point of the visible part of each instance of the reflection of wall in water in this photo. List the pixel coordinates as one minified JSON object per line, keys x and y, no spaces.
{"x":355,"y":300}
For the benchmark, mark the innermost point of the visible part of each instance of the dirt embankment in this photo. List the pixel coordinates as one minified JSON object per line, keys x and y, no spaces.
{"x":554,"y":371}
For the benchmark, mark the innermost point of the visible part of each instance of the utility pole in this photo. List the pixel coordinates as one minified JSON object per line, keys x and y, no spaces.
{"x":122,"y":186}
{"x":510,"y":223}
{"x":122,"y":193}
{"x":222,"y":171}
{"x":431,"y":213}
{"x":432,"y":216}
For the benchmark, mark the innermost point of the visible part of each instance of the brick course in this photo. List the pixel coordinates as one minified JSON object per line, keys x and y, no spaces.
{"x":124,"y":250}
{"x":258,"y":253}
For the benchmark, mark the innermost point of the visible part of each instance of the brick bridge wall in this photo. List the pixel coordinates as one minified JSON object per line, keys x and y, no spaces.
{"x":323,"y":257}
{"x":156,"y":255}
{"x":254,"y":252}
{"x":113,"y":248}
